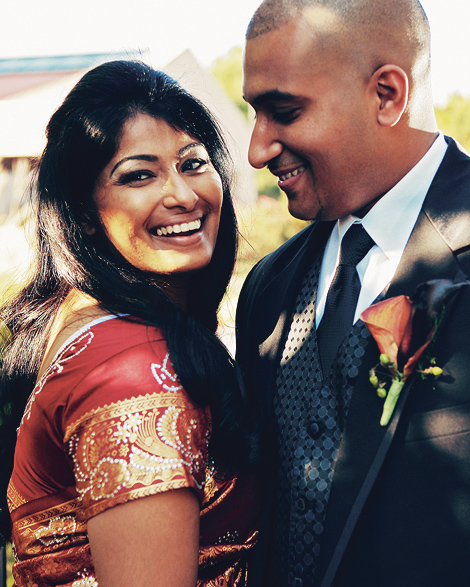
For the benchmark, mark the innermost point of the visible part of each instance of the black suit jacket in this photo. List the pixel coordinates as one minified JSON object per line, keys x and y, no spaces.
{"x":399,"y":508}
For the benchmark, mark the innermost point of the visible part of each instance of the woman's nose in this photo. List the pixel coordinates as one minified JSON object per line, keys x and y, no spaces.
{"x":178,"y":194}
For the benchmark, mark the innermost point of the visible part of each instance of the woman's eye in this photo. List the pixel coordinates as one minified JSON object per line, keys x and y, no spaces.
{"x":193,"y":164}
{"x":135,"y":177}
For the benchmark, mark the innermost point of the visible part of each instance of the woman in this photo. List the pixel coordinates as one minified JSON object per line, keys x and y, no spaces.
{"x":115,"y":333}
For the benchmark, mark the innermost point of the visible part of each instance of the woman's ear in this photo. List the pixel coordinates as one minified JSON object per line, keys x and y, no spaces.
{"x":392,"y":89}
{"x":87,"y":225}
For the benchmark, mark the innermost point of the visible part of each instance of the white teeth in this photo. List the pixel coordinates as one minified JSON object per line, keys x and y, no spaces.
{"x":179,"y":228}
{"x":293,"y":173}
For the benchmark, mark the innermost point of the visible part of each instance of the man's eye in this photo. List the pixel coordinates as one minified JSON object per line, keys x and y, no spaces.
{"x":285,"y":115}
{"x":135,"y":177}
{"x":193,"y":164}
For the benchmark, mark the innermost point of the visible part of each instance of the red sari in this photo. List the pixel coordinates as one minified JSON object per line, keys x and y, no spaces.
{"x":107,"y":423}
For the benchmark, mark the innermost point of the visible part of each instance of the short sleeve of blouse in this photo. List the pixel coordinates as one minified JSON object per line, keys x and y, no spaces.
{"x":132,"y":431}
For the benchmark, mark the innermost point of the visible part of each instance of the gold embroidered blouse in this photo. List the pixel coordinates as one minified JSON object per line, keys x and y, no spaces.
{"x":110,"y":422}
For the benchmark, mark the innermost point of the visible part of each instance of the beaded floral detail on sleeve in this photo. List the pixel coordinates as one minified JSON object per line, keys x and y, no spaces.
{"x":57,"y":366}
{"x":139,"y":447}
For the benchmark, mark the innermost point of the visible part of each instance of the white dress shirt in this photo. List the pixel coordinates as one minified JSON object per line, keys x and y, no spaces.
{"x":389,"y":222}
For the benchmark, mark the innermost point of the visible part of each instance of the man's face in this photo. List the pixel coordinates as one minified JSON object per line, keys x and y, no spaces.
{"x":315,"y":124}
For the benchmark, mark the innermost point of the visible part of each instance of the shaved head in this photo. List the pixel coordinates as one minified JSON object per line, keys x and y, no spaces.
{"x":373,"y":31}
{"x":273,"y":14}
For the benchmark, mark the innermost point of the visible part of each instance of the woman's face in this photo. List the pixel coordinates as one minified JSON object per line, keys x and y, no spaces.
{"x":159,"y":199}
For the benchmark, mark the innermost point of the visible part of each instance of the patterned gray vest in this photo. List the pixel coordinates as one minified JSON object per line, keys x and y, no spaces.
{"x":310,"y":409}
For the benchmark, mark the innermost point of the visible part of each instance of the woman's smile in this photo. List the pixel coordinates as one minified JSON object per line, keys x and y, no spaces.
{"x":159,"y":198}
{"x":183,"y":229}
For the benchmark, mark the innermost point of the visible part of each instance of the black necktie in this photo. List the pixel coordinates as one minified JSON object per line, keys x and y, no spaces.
{"x":343,"y":294}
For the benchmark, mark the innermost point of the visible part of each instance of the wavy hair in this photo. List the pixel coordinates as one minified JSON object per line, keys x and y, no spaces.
{"x":82,"y":137}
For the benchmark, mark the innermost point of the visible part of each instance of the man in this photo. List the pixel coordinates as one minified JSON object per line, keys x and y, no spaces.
{"x":345,"y":120}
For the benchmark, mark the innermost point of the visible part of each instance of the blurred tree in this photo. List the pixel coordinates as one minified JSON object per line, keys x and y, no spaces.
{"x":264,"y":227}
{"x":267,"y":184}
{"x":228,"y":70}
{"x":454,"y":119}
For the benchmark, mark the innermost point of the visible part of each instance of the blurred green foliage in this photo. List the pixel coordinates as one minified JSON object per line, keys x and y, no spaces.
{"x":454,"y":119}
{"x":229,"y":72}
{"x":264,"y":227}
{"x":9,"y":564}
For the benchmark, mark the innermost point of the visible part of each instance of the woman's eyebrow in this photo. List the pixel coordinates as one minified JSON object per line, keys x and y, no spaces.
{"x":190,"y":146}
{"x":151,"y":158}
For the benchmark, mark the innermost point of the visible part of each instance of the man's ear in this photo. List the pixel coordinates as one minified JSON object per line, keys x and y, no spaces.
{"x":392,"y":88}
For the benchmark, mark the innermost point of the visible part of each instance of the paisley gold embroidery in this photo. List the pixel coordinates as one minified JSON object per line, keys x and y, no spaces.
{"x":109,"y":476}
{"x":125,"y":447}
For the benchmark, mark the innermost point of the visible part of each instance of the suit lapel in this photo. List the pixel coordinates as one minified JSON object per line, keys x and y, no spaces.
{"x":428,"y":255}
{"x":275,"y":304}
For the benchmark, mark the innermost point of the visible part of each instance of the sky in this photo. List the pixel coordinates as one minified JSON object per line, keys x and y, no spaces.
{"x":210,"y":28}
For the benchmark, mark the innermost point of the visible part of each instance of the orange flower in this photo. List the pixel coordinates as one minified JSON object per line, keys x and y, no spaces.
{"x":390,"y":323}
{"x":403,"y":328}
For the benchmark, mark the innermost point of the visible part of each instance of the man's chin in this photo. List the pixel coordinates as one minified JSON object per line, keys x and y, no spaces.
{"x":302,"y":212}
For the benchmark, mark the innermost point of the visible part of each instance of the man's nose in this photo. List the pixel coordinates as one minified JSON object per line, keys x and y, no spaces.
{"x":177,"y":193}
{"x":264,"y":145}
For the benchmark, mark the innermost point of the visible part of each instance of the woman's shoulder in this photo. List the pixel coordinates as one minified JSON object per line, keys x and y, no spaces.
{"x":130,"y":419}
{"x":121,"y":330}
{"x":108,"y":336}
{"x":112,"y":360}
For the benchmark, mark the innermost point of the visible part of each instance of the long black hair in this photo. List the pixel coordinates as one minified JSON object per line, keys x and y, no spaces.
{"x":82,"y":137}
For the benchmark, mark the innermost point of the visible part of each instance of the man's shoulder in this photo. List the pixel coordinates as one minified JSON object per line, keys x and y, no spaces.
{"x":456,"y":162}
{"x":283,"y":254}
{"x":447,"y":203}
{"x":264,"y":273}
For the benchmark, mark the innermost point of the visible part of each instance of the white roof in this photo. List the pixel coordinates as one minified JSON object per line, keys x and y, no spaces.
{"x":24,"y":116}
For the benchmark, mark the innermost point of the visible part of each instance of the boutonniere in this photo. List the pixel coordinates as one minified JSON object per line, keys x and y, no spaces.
{"x":404,"y":328}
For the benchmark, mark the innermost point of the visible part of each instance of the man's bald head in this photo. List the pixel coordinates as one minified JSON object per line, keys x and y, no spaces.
{"x":273,"y":14}
{"x":376,"y":31}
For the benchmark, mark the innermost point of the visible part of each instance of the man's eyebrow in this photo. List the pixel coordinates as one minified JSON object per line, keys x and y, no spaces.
{"x":271,"y":96}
